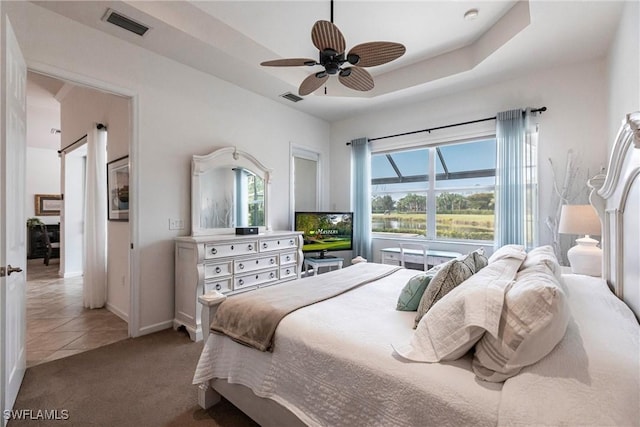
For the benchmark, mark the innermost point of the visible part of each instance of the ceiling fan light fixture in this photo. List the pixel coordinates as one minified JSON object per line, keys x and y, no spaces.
{"x":353,"y":58}
{"x":471,"y":14}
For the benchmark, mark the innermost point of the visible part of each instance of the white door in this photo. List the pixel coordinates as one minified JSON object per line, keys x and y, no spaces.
{"x":12,"y":218}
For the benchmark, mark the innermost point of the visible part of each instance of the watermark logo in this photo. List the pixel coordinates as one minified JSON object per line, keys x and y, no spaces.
{"x":36,"y":414}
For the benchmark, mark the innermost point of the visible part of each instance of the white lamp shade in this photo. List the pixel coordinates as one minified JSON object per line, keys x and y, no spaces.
{"x":579,"y":219}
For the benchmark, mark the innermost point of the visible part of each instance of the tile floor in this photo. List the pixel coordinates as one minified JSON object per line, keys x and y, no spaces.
{"x":57,"y":324}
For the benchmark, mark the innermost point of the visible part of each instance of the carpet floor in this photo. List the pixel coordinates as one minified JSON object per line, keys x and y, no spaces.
{"x":143,"y":381}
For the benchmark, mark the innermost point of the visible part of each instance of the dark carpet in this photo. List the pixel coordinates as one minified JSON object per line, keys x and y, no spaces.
{"x":143,"y":381}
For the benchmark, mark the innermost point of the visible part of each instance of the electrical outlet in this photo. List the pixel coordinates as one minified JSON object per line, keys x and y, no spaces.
{"x":176,"y":224}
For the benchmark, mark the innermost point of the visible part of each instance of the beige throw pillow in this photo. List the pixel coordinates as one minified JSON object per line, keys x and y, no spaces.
{"x":534,"y":319}
{"x":448,"y":277}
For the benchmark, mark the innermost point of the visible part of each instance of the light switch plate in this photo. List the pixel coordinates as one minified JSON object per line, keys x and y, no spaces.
{"x":176,"y":224}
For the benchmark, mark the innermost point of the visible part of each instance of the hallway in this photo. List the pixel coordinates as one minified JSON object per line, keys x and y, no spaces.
{"x":57,"y":324}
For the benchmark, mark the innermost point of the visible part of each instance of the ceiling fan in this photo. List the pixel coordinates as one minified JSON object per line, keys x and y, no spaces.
{"x":349,"y":66}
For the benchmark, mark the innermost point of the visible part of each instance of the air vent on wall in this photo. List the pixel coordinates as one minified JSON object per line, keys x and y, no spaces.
{"x":291,"y":97}
{"x":122,"y":21}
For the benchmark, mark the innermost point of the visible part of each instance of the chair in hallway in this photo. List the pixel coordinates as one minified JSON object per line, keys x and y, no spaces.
{"x":52,"y":249}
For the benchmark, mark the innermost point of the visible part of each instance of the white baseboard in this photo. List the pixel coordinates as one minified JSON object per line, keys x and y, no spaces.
{"x":115,"y":310}
{"x":71,"y":274}
{"x":145,"y":330}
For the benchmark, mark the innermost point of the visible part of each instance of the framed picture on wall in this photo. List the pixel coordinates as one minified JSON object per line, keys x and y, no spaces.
{"x":118,"y":189}
{"x":48,"y":204}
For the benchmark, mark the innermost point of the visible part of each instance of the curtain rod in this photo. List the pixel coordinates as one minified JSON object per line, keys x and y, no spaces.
{"x":533,"y":110}
{"x":99,"y":126}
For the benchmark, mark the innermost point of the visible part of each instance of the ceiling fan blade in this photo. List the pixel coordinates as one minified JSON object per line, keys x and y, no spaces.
{"x":311,"y":83}
{"x":289,"y":62}
{"x":377,"y":53}
{"x":325,"y":35}
{"x":356,"y":78}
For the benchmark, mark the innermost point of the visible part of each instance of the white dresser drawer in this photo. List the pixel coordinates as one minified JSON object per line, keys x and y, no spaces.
{"x":219,"y":250}
{"x":288,"y":258}
{"x":253,"y":264}
{"x":217,"y":270}
{"x":255,"y":279}
{"x":267,"y":245}
{"x":289,"y":272}
{"x":217,"y":285}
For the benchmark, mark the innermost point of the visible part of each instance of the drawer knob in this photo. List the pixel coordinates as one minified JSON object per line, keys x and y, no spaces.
{"x":241,"y":282}
{"x":272,"y":275}
{"x":231,"y":247}
{"x":272,"y":261}
{"x":218,"y":270}
{"x":214,"y":251}
{"x":256,"y":276}
{"x":291,"y":242}
{"x":218,"y":286}
{"x":288,"y":258}
{"x":288,"y":271}
{"x":250,"y":247}
{"x":241,"y":266}
{"x":265,"y":246}
{"x":257,"y":261}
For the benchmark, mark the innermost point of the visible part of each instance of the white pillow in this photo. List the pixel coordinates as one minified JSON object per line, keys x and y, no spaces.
{"x":457,"y":321}
{"x":543,"y":255}
{"x":508,"y":251}
{"x":534,"y":319}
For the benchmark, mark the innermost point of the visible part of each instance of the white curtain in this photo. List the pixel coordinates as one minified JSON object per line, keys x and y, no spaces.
{"x":95,"y":221}
{"x":516,"y":179}
{"x":361,"y":197}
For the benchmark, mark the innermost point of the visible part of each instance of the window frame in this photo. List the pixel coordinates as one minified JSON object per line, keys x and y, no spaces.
{"x":431,"y":190}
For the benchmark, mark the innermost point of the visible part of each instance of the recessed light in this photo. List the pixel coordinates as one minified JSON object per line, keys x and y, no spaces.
{"x":471,"y":14}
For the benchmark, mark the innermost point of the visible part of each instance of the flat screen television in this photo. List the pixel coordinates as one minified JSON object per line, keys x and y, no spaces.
{"x":325,"y":231}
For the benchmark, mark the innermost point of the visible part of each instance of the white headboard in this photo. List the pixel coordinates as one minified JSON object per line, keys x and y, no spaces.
{"x":616,"y":197}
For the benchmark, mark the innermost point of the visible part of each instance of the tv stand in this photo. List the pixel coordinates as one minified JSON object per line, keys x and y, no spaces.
{"x":312,"y":265}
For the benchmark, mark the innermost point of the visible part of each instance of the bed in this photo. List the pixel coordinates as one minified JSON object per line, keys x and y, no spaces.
{"x":337,"y":362}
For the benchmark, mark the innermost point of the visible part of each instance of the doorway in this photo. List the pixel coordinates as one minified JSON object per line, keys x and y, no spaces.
{"x":305,"y":180}
{"x":62,"y":327}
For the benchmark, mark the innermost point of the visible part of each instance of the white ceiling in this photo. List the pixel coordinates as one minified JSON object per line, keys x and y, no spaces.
{"x":445,"y":53}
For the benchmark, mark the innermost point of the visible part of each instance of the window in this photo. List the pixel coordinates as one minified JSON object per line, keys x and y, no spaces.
{"x":439,"y":192}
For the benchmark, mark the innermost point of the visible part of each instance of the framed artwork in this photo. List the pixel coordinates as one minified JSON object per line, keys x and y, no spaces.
{"x":48,"y":204}
{"x":118,"y":189}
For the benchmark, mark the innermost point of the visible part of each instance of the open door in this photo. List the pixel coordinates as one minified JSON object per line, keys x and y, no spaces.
{"x":12,"y":219}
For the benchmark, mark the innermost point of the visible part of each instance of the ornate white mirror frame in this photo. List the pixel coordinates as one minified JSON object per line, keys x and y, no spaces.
{"x":225,"y":157}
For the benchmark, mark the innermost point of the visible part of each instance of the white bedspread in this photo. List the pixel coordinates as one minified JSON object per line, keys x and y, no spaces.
{"x":346,"y":375}
{"x":592,"y":377}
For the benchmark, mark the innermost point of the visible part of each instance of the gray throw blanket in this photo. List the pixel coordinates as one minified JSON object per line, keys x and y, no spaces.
{"x":251,"y":318}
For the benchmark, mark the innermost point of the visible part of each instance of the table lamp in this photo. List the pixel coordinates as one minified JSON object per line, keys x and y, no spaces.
{"x":585,"y":257}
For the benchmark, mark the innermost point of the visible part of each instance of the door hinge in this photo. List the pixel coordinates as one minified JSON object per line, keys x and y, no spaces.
{"x":2,"y":272}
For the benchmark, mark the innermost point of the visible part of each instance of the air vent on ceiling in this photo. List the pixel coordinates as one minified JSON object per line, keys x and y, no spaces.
{"x":123,"y":22}
{"x":291,"y":97}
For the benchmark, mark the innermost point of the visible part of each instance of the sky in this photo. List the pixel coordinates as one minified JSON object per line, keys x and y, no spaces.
{"x":458,"y":157}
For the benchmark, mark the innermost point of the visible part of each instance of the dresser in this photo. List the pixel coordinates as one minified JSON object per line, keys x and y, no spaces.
{"x":230,"y":264}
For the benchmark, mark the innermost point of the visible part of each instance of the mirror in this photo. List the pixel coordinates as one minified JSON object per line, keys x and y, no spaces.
{"x":229,"y":189}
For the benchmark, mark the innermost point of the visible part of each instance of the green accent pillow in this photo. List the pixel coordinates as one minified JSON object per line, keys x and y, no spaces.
{"x":412,"y":292}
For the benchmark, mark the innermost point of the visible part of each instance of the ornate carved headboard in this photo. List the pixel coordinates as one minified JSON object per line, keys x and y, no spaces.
{"x":616,"y":197}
